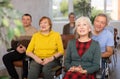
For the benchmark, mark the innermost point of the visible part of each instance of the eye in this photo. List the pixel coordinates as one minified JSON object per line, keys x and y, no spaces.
{"x":45,"y":22}
{"x":102,"y":22}
{"x":96,"y":20}
{"x":84,"y":24}
{"x":78,"y":25}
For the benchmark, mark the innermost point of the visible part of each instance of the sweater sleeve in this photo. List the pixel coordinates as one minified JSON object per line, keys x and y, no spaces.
{"x":60,"y":44}
{"x":68,"y":57}
{"x":96,"y":59}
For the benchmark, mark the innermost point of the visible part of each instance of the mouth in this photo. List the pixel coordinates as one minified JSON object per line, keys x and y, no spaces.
{"x":82,"y":30}
{"x":43,"y":27}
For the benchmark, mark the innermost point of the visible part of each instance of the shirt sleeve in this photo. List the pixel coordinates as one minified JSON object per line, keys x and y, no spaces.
{"x":68,"y":57}
{"x":60,"y":44}
{"x":110,"y":40}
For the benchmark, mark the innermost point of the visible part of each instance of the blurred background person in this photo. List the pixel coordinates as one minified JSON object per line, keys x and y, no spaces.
{"x":68,"y":28}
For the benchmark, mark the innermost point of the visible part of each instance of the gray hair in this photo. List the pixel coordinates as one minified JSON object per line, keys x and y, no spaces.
{"x":82,"y":18}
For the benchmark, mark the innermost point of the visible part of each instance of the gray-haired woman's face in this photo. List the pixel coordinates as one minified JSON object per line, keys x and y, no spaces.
{"x":83,"y":28}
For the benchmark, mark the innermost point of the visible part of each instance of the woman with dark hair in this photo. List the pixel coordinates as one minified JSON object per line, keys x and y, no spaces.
{"x":44,"y":48}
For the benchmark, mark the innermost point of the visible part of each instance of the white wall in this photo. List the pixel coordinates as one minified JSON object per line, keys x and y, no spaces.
{"x":37,"y":8}
{"x":114,"y":14}
{"x":58,"y":26}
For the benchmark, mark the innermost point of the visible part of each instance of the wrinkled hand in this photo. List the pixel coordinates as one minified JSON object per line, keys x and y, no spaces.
{"x":80,"y":69}
{"x":21,"y":48}
{"x":47,"y":60}
{"x":77,"y":69}
{"x":83,"y":71}
{"x":72,"y":69}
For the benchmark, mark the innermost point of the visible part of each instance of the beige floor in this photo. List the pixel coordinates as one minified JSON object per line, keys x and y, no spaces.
{"x":4,"y":72}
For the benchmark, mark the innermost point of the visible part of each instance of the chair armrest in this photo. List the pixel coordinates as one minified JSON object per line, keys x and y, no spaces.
{"x":27,"y":58}
{"x":57,"y":70}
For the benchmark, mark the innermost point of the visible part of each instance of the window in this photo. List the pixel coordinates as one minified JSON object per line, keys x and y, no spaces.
{"x":60,"y":9}
{"x":82,"y":7}
{"x":103,"y":5}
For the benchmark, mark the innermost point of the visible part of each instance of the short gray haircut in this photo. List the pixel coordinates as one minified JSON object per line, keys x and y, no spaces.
{"x":82,"y":18}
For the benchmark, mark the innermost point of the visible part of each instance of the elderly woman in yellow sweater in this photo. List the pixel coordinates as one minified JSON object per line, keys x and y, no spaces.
{"x":44,"y":48}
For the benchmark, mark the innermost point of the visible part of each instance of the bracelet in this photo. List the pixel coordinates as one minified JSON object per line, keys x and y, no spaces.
{"x":54,"y":57}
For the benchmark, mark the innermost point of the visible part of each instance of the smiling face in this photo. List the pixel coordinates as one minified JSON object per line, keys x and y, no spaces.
{"x":72,"y":18}
{"x":83,"y":26}
{"x":100,"y":23}
{"x":45,"y":24}
{"x":26,"y":20}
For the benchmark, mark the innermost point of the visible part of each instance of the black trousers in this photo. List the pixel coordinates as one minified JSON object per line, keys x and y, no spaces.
{"x":8,"y":60}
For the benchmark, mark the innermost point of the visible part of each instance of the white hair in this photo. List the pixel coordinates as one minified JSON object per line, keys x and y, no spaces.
{"x":80,"y":19}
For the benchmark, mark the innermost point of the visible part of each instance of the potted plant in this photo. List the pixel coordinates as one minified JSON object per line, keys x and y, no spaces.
{"x":10,"y":24}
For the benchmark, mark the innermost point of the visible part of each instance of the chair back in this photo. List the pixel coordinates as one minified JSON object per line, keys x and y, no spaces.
{"x":65,"y":39}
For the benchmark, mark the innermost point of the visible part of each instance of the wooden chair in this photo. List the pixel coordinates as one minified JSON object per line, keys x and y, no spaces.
{"x":65,"y":40}
{"x":18,"y":63}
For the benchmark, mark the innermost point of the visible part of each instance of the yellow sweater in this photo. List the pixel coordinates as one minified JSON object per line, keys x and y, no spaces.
{"x":45,"y":46}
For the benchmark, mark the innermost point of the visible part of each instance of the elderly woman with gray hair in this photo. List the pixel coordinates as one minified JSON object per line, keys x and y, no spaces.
{"x":82,"y":54}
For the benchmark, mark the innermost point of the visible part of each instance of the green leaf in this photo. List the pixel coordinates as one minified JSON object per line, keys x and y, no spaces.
{"x":9,"y":20}
{"x":0,"y":21}
{"x":17,"y":22}
{"x":21,"y":29}
{"x":5,"y":22}
{"x":19,"y":25}
{"x":17,"y":32}
{"x":10,"y":33}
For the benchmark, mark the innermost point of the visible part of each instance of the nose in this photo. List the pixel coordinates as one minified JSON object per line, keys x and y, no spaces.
{"x":81,"y":26}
